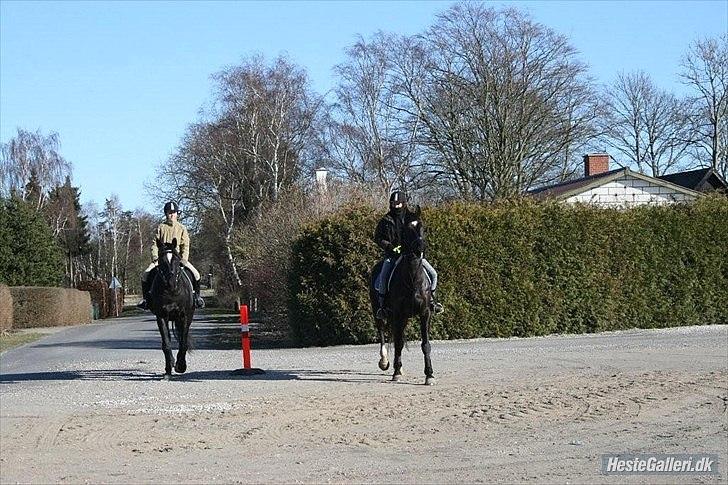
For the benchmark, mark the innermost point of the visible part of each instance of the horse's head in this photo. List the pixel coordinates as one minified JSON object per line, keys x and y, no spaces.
{"x":413,"y":233}
{"x":169,"y":263}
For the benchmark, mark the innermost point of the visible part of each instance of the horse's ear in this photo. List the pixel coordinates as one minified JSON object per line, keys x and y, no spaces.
{"x":159,"y":243}
{"x":174,"y":242}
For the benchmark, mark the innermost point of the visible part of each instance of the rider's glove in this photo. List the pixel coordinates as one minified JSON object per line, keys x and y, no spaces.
{"x":397,"y":249}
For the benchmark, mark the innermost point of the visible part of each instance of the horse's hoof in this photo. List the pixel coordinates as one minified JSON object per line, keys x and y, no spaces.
{"x":429,"y":381}
{"x":396,"y":377}
{"x":180,"y":368}
{"x":384,"y":364}
{"x":167,"y":377}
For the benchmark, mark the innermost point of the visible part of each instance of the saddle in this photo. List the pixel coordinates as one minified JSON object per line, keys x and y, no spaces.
{"x":188,"y":276}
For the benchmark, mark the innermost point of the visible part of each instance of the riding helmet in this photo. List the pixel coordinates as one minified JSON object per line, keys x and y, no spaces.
{"x":171,"y":207}
{"x":397,"y":197}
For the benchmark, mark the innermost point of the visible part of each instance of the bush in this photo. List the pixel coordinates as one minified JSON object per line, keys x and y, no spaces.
{"x":35,"y":306}
{"x":262,"y":247}
{"x":6,"y":309}
{"x":329,"y":300}
{"x":524,"y":269}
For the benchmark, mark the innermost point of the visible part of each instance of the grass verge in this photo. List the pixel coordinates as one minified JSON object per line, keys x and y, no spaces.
{"x":10,"y":340}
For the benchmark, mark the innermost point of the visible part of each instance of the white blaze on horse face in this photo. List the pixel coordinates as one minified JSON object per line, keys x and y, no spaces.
{"x":169,"y":258}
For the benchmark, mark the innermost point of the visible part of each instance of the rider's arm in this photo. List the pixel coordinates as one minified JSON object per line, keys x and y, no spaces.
{"x":381,"y":236}
{"x":184,"y":245}
{"x":155,"y":249}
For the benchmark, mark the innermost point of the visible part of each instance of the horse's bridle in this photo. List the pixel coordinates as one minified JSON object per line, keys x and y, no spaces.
{"x":166,"y":269}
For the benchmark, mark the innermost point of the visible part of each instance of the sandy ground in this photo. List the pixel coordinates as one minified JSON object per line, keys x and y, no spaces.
{"x":511,"y":410}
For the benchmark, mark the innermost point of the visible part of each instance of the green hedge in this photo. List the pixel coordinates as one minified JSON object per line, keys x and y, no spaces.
{"x":525,"y":269}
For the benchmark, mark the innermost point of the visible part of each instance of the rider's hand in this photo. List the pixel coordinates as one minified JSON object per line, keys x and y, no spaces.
{"x":397,"y":249}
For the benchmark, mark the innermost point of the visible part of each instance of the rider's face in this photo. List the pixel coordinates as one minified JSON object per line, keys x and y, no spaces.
{"x":171,"y":216}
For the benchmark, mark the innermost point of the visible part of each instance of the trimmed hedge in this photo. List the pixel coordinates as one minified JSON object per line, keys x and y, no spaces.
{"x":35,"y":306}
{"x":525,"y":269}
{"x":6,"y":309}
{"x":103,"y":297}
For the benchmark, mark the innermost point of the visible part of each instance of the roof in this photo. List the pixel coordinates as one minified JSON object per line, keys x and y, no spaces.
{"x":696,"y":179}
{"x":570,"y":186}
{"x":565,"y":190}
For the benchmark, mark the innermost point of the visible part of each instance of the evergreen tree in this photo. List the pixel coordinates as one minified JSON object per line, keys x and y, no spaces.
{"x":29,"y":254}
{"x":70,"y":226}
{"x":33,"y":193}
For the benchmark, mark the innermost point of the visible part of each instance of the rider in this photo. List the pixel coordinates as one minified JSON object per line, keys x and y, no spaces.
{"x":388,"y":236}
{"x":166,"y":231}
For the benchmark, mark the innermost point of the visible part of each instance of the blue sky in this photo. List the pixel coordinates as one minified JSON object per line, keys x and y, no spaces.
{"x":120,"y":81}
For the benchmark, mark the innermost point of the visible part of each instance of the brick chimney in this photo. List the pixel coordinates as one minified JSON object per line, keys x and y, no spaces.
{"x":595,"y":163}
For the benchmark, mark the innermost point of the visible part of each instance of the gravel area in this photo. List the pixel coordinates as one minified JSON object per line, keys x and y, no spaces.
{"x":88,"y":405}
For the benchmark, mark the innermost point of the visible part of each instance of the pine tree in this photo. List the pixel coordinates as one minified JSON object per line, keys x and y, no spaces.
{"x":29,"y":254}
{"x":63,"y":212}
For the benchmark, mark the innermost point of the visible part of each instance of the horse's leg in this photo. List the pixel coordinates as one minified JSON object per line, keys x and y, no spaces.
{"x":425,"y":331}
{"x":183,"y":328}
{"x":166,"y":347}
{"x":383,"y":360}
{"x":398,"y":331}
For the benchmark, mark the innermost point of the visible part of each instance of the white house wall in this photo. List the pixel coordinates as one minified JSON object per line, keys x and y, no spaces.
{"x":629,"y":192}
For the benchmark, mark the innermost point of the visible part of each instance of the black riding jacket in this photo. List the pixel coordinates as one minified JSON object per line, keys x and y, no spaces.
{"x":388,"y":234}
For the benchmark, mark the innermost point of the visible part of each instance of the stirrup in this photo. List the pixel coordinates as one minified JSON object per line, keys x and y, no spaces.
{"x":199,"y":302}
{"x":381,"y":314}
{"x":143,"y":305}
{"x":437,"y":308}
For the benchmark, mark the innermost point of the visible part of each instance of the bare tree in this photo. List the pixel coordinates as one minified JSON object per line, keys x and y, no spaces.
{"x":649,"y":127}
{"x":271,"y":113}
{"x":32,"y":154}
{"x":502,"y":100}
{"x":112,"y":217}
{"x":705,"y":70}
{"x":371,"y":139}
{"x":256,"y":142}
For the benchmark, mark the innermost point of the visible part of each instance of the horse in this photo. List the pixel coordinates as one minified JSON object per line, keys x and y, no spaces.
{"x":171,"y":299}
{"x":408,"y":296}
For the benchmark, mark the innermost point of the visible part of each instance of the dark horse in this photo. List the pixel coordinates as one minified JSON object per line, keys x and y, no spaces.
{"x":408,"y":297}
{"x":171,"y":301}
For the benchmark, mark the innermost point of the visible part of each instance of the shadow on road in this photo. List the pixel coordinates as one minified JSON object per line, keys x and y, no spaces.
{"x":195,"y":376}
{"x":208,"y":332}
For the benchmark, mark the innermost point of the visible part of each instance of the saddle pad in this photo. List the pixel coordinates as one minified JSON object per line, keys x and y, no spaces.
{"x":391,"y":274}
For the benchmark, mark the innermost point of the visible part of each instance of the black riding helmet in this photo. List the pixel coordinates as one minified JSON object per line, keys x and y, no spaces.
{"x":397,"y":197}
{"x":171,"y":207}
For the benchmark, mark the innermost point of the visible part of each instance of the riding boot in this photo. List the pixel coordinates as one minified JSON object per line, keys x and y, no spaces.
{"x":381,"y":312}
{"x":145,"y":296}
{"x":199,"y":302}
{"x":436,"y":306}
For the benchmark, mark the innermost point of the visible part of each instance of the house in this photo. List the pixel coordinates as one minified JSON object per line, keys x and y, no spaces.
{"x":618,"y":188}
{"x":702,"y":180}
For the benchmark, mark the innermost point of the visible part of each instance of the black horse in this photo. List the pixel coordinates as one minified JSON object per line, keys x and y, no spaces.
{"x":408,"y":296}
{"x":171,"y":300}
